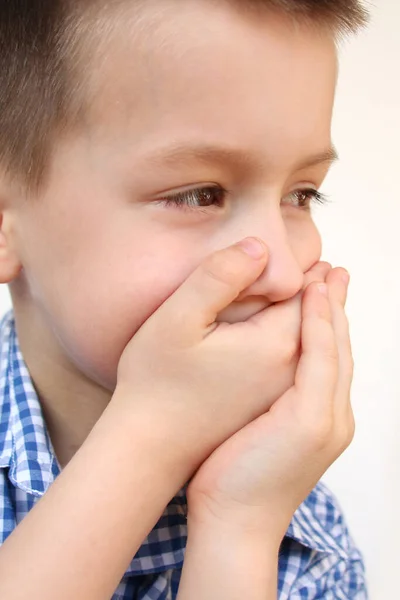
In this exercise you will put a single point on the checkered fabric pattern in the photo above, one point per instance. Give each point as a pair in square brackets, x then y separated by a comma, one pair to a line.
[317, 559]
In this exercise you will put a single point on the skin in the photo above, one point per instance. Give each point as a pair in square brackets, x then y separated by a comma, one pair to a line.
[117, 251]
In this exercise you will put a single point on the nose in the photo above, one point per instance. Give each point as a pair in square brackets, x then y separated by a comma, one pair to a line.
[283, 276]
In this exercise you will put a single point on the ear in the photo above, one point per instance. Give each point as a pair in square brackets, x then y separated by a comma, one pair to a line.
[10, 265]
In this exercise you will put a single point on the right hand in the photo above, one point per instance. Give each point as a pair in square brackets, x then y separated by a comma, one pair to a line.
[211, 379]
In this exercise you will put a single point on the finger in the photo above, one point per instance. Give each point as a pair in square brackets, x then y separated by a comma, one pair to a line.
[338, 285]
[283, 318]
[215, 284]
[317, 372]
[317, 273]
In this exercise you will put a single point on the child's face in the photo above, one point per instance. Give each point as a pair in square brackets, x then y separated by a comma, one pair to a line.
[102, 250]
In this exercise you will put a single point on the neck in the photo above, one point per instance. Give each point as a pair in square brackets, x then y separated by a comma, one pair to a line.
[71, 402]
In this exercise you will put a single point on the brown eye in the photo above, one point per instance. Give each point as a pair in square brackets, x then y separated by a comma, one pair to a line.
[304, 198]
[198, 198]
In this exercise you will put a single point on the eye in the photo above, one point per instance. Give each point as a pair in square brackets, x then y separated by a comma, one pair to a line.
[197, 198]
[304, 198]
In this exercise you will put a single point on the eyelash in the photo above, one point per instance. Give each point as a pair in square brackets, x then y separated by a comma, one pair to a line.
[187, 200]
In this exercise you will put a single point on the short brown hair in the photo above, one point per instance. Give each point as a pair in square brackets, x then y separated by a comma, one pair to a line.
[38, 46]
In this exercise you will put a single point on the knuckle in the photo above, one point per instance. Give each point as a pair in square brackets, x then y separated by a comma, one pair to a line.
[345, 434]
[347, 365]
[323, 337]
[348, 370]
[351, 428]
[351, 363]
[331, 356]
[329, 359]
[318, 432]
[344, 442]
[329, 349]
[346, 334]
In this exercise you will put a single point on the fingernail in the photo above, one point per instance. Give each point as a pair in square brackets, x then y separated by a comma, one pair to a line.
[346, 277]
[323, 289]
[253, 247]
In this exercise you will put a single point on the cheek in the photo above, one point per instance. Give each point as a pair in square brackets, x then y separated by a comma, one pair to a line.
[93, 292]
[105, 312]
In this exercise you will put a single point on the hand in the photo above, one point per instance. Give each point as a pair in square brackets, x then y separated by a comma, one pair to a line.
[263, 473]
[210, 379]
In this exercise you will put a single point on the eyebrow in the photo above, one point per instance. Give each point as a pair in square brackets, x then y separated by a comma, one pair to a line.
[210, 154]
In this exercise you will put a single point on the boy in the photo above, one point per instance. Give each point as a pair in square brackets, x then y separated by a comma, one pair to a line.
[147, 348]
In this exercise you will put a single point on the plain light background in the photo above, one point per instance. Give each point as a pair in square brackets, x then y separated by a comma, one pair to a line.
[361, 231]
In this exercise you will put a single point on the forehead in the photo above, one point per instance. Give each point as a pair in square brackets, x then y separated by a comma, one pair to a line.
[176, 71]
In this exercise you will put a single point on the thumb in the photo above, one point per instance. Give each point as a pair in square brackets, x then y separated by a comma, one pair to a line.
[216, 283]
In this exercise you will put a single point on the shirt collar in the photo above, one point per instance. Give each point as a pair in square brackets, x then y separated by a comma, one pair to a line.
[25, 447]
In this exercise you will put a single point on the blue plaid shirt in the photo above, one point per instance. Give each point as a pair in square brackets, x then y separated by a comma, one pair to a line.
[318, 558]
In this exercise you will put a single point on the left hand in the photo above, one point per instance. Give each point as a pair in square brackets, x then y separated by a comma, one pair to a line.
[260, 475]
